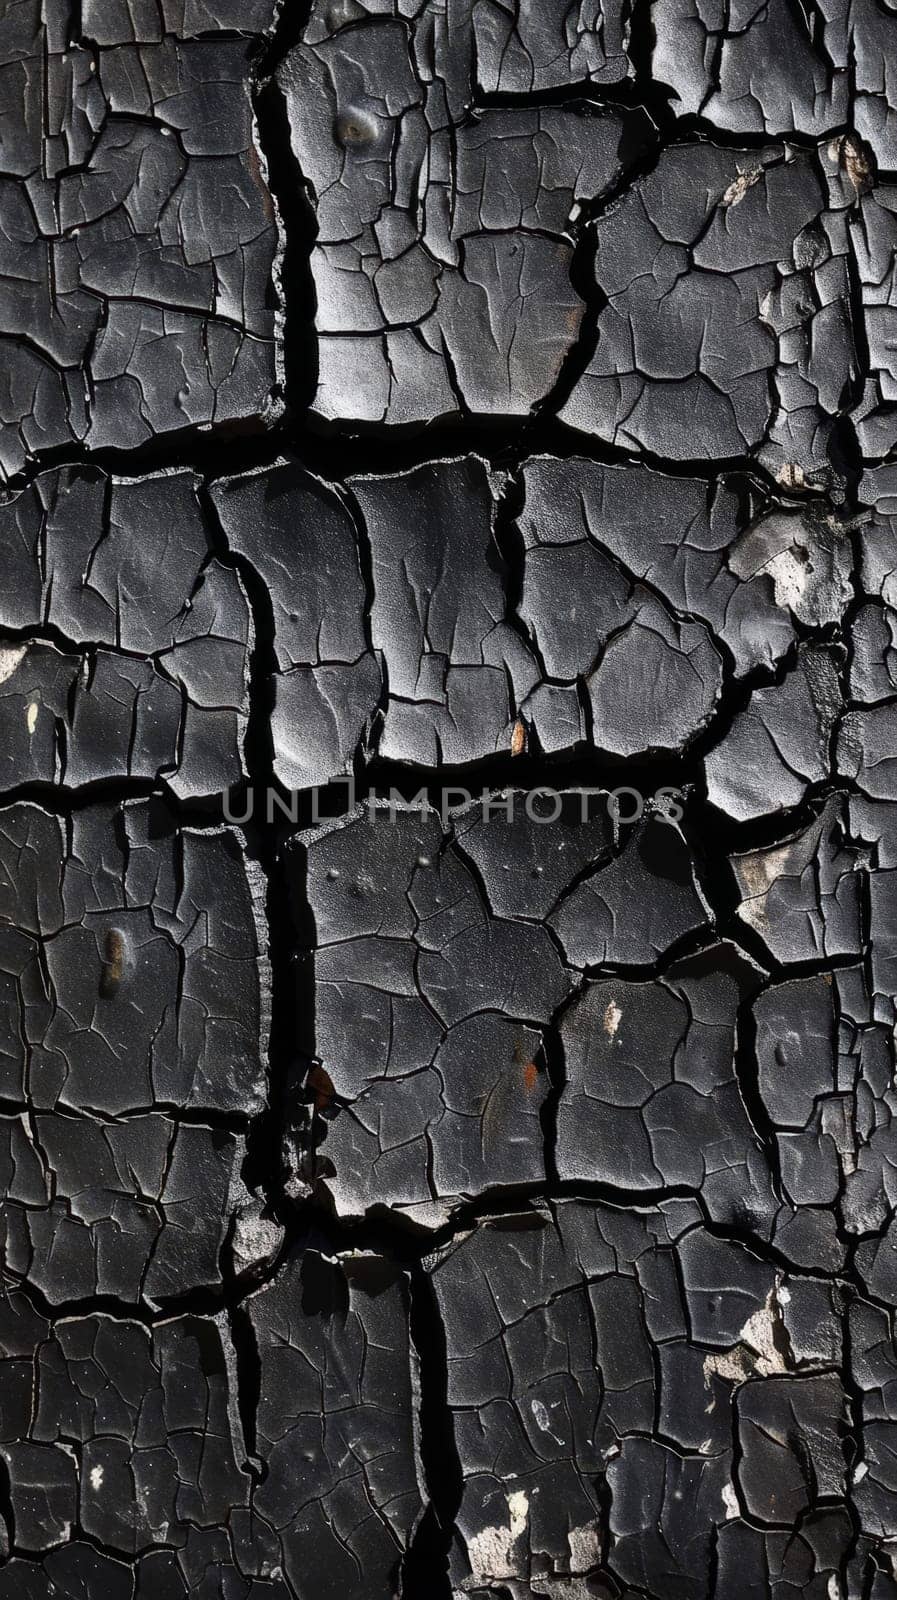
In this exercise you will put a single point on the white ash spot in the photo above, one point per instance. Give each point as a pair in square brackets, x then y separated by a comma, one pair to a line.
[543, 1420]
[490, 1550]
[791, 575]
[585, 1548]
[791, 476]
[612, 1019]
[10, 656]
[739, 187]
[755, 1350]
[757, 873]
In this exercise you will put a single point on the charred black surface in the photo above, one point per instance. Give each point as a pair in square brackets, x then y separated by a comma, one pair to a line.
[476, 1180]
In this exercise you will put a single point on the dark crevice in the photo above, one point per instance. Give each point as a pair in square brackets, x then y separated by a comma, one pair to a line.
[334, 452]
[265, 1167]
[296, 213]
[425, 1568]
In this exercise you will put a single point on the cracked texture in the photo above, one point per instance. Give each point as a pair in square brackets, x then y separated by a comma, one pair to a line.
[402, 631]
[589, 1345]
[411, 1192]
[725, 284]
[142, 670]
[134, 996]
[137, 236]
[792, 68]
[441, 265]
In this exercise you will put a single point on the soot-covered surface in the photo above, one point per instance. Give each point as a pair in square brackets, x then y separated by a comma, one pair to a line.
[448, 800]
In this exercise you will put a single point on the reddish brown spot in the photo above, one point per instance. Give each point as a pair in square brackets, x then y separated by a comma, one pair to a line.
[113, 962]
[530, 1074]
[254, 168]
[321, 1085]
[518, 739]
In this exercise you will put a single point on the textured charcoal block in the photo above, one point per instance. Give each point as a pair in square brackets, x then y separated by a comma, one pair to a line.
[137, 234]
[443, 252]
[448, 800]
[135, 1008]
[153, 681]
